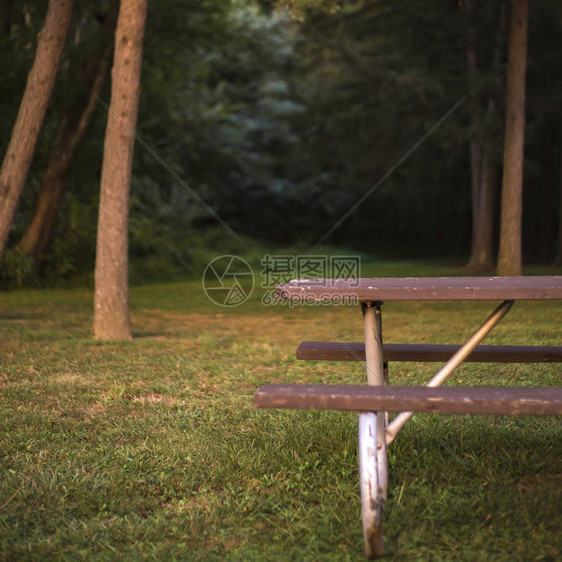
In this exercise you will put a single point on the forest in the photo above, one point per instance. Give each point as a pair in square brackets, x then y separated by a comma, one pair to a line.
[362, 125]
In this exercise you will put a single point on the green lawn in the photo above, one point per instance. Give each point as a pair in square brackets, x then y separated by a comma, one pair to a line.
[152, 449]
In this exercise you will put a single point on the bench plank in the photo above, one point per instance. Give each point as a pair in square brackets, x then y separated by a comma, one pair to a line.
[355, 351]
[424, 288]
[444, 400]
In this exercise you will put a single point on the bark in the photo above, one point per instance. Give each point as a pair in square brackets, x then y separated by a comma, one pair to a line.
[475, 129]
[74, 123]
[558, 260]
[482, 252]
[6, 7]
[33, 106]
[483, 142]
[111, 299]
[509, 259]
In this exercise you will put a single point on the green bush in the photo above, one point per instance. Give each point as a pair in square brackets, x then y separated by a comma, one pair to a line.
[18, 270]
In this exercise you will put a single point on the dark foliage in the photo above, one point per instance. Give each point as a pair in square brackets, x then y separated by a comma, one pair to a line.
[280, 123]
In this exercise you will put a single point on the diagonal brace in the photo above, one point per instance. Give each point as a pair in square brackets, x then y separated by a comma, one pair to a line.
[398, 423]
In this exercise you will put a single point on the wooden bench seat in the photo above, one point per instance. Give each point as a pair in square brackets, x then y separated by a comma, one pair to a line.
[341, 351]
[443, 400]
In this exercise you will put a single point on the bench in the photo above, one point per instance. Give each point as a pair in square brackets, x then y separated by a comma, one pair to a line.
[375, 400]
[342, 351]
[442, 400]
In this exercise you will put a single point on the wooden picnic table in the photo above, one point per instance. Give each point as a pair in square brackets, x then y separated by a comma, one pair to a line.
[375, 400]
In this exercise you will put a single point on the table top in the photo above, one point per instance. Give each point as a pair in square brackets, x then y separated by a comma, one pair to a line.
[424, 288]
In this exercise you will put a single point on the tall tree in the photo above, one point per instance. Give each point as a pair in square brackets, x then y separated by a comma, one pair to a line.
[6, 7]
[483, 140]
[73, 125]
[509, 258]
[111, 300]
[33, 106]
[558, 259]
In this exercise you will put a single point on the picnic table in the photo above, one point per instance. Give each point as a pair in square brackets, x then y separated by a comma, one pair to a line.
[377, 398]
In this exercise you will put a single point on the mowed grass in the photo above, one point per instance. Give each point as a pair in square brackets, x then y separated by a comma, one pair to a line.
[152, 449]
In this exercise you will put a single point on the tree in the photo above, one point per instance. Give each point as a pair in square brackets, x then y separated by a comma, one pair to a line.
[111, 300]
[73, 125]
[509, 258]
[483, 141]
[33, 106]
[558, 259]
[5, 16]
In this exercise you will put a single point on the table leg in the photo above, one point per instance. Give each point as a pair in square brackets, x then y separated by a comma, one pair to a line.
[373, 462]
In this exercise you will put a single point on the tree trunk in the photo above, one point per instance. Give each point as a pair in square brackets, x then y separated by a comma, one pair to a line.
[71, 131]
[475, 131]
[509, 259]
[73, 125]
[483, 143]
[558, 260]
[111, 300]
[482, 252]
[33, 106]
[6, 7]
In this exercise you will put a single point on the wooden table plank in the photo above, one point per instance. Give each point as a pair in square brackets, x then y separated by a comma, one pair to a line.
[355, 351]
[424, 288]
[443, 400]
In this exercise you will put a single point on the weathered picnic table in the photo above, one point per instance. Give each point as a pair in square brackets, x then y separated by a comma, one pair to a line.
[377, 398]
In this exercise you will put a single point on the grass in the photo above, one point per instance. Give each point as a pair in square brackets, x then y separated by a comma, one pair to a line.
[152, 449]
